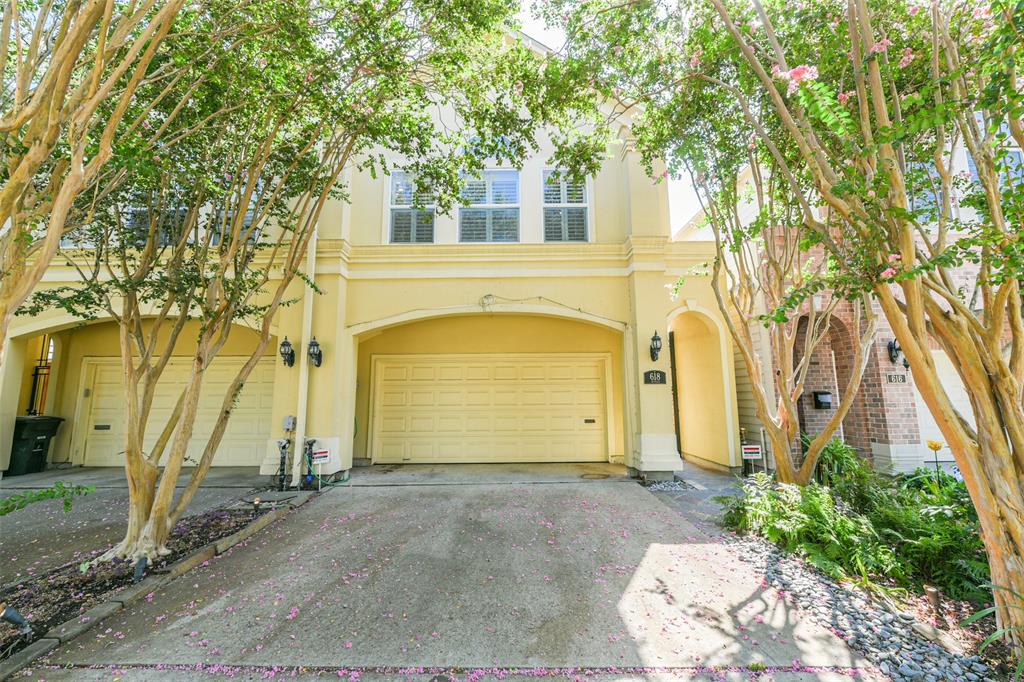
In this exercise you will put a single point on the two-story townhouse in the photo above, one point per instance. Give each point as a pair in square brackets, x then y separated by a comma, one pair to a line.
[522, 326]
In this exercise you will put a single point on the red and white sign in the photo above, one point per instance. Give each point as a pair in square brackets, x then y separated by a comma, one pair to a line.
[750, 451]
[321, 456]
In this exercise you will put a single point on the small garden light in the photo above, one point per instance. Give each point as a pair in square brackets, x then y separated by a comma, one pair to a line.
[316, 355]
[655, 345]
[287, 352]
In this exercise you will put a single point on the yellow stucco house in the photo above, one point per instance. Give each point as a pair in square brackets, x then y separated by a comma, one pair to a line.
[516, 329]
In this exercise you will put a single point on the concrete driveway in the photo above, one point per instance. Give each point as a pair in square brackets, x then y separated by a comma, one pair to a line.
[42, 536]
[514, 580]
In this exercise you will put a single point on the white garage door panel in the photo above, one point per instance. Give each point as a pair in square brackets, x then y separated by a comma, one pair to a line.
[244, 440]
[490, 408]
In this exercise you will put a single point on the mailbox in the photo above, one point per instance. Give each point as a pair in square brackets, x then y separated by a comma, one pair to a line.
[822, 400]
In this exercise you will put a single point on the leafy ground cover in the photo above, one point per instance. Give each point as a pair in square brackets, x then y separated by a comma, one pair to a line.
[897, 535]
[54, 597]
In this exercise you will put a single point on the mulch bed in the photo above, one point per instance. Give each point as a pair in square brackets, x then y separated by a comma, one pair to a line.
[52, 598]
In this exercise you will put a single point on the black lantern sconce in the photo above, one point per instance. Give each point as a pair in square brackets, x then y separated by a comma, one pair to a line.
[316, 355]
[895, 352]
[655, 346]
[287, 352]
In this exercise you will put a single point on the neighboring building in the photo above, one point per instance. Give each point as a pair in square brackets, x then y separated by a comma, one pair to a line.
[889, 422]
[516, 329]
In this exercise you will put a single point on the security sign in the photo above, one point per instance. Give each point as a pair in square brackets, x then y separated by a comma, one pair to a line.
[321, 456]
[750, 451]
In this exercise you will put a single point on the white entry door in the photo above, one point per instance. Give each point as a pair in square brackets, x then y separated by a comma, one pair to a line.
[244, 442]
[490, 408]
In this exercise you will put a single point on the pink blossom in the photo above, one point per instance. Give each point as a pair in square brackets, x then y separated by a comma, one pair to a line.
[293, 613]
[914, 9]
[881, 46]
[796, 75]
[888, 272]
[871, 194]
[844, 97]
[908, 56]
[695, 60]
[895, 258]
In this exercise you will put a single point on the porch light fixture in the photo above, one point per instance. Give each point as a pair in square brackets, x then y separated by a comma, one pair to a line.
[895, 352]
[287, 352]
[316, 355]
[655, 346]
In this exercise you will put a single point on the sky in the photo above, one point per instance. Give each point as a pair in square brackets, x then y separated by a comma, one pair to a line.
[683, 204]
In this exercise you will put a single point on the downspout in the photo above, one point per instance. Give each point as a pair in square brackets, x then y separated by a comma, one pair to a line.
[307, 333]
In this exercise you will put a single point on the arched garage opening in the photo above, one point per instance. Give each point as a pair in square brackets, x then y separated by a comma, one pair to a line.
[701, 389]
[85, 389]
[490, 387]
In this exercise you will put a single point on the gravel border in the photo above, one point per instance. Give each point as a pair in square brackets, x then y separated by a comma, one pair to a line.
[887, 638]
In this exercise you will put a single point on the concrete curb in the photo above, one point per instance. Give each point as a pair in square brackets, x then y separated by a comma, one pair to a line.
[80, 624]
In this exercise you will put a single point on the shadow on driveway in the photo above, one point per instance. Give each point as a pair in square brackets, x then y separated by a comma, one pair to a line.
[42, 536]
[525, 578]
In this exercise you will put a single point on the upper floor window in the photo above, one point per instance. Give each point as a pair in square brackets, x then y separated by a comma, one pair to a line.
[412, 214]
[565, 209]
[492, 214]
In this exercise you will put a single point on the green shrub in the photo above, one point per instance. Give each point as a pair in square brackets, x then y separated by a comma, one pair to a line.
[915, 529]
[57, 491]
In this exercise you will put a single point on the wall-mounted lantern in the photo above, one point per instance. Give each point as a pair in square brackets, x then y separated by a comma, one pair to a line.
[655, 346]
[895, 352]
[316, 355]
[287, 352]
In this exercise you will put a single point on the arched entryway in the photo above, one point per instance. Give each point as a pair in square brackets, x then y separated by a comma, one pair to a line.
[703, 390]
[830, 370]
[489, 387]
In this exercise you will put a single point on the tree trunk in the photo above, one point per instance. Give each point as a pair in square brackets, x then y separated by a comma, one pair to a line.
[1002, 523]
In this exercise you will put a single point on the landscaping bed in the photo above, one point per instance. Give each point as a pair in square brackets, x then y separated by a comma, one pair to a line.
[52, 598]
[911, 543]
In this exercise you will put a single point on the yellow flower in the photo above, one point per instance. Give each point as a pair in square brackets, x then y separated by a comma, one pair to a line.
[935, 445]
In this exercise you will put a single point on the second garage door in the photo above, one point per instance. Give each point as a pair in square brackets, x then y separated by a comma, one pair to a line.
[490, 408]
[244, 442]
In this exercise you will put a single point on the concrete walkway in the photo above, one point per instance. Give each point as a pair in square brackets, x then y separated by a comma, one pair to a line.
[513, 580]
[42, 536]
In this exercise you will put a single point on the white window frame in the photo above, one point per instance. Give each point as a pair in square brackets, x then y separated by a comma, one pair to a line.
[588, 204]
[391, 207]
[518, 206]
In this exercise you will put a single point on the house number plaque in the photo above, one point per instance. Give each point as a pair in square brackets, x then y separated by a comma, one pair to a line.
[654, 376]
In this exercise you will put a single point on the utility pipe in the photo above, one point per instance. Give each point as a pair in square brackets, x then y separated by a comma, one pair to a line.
[299, 448]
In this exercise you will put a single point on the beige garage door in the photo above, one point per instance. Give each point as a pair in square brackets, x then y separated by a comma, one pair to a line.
[490, 408]
[248, 429]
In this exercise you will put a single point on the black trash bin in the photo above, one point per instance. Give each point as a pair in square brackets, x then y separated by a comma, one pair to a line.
[32, 437]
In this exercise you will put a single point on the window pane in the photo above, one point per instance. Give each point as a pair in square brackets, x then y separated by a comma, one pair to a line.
[575, 192]
[504, 187]
[504, 224]
[553, 227]
[402, 188]
[401, 225]
[552, 189]
[475, 191]
[473, 225]
[424, 227]
[576, 224]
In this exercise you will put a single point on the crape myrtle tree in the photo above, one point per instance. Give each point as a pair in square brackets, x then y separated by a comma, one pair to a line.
[215, 228]
[865, 109]
[761, 260]
[70, 70]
